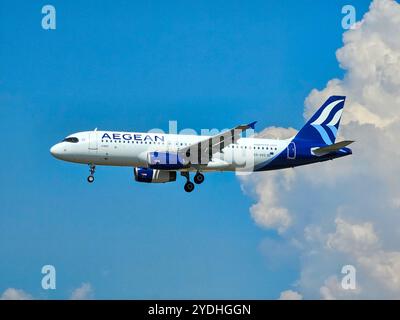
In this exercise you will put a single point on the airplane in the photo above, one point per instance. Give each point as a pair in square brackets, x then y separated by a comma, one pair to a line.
[156, 158]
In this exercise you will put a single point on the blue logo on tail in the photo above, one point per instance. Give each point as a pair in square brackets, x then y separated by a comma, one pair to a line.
[322, 128]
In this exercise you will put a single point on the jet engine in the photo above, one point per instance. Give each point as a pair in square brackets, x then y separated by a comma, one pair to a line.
[153, 175]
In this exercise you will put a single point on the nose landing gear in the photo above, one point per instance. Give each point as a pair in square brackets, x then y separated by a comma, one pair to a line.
[92, 170]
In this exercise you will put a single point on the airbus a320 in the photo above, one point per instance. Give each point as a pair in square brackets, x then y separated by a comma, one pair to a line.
[157, 158]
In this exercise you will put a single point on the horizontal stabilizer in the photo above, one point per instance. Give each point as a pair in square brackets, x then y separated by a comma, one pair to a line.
[332, 148]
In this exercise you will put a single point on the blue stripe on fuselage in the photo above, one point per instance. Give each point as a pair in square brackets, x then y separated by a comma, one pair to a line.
[303, 157]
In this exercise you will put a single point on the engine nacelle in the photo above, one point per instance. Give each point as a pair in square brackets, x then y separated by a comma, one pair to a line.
[166, 161]
[153, 176]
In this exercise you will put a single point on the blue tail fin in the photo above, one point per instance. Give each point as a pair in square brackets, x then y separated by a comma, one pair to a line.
[322, 128]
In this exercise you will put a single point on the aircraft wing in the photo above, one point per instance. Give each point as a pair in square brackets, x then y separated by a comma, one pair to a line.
[207, 147]
[331, 148]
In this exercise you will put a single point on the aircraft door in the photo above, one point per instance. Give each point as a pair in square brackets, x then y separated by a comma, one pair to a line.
[93, 141]
[291, 151]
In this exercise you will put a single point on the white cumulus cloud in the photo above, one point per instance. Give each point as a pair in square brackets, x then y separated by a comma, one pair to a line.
[290, 295]
[347, 211]
[84, 292]
[352, 237]
[15, 294]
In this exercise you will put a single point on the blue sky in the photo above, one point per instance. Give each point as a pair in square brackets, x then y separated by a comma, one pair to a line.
[126, 65]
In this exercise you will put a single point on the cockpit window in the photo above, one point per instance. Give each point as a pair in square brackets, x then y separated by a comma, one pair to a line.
[71, 139]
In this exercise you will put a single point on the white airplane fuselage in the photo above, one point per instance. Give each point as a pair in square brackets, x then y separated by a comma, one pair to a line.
[112, 148]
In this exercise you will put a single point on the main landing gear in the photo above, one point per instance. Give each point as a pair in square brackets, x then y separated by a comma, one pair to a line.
[198, 179]
[92, 169]
[189, 186]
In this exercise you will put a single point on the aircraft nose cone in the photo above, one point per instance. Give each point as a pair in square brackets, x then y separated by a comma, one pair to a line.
[55, 151]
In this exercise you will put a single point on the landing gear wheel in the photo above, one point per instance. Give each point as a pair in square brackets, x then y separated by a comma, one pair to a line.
[92, 169]
[189, 186]
[198, 178]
